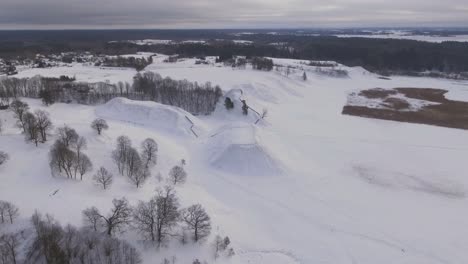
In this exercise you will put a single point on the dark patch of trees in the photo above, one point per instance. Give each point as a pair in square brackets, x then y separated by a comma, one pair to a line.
[130, 62]
[245, 108]
[228, 103]
[382, 55]
[192, 97]
[263, 64]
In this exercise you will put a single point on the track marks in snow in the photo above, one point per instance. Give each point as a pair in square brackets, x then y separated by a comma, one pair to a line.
[400, 180]
[268, 256]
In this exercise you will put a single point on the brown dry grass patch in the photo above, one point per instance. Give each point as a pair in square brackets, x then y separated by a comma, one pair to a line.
[447, 113]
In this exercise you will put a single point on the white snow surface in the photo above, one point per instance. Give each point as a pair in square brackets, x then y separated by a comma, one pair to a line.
[236, 149]
[163, 118]
[305, 185]
[426, 38]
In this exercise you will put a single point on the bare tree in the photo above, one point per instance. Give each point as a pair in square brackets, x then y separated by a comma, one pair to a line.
[78, 145]
[9, 248]
[139, 176]
[149, 152]
[32, 132]
[62, 159]
[103, 178]
[44, 123]
[133, 163]
[83, 165]
[19, 108]
[67, 135]
[197, 221]
[99, 125]
[145, 219]
[117, 219]
[12, 211]
[178, 175]
[156, 218]
[119, 155]
[2, 211]
[3, 157]
[92, 218]
[8, 211]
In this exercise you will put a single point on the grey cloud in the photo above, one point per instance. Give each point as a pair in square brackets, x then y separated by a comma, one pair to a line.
[229, 13]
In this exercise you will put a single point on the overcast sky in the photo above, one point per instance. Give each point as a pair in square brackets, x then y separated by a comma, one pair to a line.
[63, 14]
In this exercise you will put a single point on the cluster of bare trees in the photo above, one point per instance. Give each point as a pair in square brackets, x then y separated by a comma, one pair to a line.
[53, 243]
[52, 90]
[136, 166]
[9, 242]
[192, 97]
[66, 156]
[8, 212]
[156, 220]
[9, 248]
[47, 242]
[20, 87]
[36, 126]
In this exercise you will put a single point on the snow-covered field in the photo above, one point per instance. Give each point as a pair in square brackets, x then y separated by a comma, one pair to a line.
[427, 38]
[307, 185]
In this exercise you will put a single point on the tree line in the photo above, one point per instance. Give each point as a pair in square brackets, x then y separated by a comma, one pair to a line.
[130, 62]
[191, 96]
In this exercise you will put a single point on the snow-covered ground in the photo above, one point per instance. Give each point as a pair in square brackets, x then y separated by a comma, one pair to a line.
[427, 38]
[306, 185]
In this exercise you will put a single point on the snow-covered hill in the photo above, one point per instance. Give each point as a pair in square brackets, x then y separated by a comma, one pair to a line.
[305, 185]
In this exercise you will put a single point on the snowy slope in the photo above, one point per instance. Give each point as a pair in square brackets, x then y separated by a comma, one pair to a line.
[332, 188]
